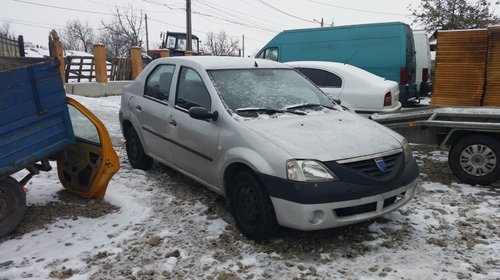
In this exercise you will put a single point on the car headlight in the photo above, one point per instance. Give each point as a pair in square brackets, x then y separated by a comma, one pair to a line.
[308, 170]
[408, 155]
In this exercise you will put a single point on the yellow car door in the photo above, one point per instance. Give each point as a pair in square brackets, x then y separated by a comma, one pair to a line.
[87, 165]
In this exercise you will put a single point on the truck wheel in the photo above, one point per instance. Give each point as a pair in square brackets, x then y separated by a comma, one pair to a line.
[135, 152]
[251, 207]
[12, 205]
[475, 159]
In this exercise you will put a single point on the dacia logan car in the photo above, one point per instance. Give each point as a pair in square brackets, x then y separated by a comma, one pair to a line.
[265, 137]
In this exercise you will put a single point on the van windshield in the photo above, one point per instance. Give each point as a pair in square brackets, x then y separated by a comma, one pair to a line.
[266, 88]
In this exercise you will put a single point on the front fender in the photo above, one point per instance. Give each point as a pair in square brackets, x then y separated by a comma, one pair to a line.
[250, 158]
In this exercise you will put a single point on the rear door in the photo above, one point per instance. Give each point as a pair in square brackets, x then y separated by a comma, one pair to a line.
[87, 165]
[152, 110]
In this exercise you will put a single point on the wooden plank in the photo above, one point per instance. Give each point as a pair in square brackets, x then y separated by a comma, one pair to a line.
[492, 95]
[460, 68]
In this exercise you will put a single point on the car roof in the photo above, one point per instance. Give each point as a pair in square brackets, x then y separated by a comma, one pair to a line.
[223, 62]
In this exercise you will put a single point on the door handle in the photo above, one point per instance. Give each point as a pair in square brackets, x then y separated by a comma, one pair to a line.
[172, 122]
[138, 107]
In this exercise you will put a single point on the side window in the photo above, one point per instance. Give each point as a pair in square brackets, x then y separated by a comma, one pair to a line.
[333, 80]
[322, 78]
[271, 54]
[159, 81]
[83, 127]
[191, 91]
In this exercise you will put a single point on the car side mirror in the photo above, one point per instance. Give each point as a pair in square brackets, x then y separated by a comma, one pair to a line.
[201, 113]
[335, 99]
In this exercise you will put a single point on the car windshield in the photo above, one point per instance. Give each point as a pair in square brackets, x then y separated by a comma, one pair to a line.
[269, 89]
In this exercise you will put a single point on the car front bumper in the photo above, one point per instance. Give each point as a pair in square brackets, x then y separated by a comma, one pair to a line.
[334, 214]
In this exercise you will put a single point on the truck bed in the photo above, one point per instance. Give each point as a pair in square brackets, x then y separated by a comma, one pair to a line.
[34, 118]
[434, 125]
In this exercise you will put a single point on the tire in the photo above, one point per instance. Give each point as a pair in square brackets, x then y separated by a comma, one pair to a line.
[12, 205]
[475, 159]
[251, 207]
[135, 152]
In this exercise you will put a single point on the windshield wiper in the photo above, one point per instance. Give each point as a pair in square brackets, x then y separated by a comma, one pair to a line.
[307, 105]
[269, 111]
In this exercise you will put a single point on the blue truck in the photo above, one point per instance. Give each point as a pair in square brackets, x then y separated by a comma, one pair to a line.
[384, 49]
[37, 124]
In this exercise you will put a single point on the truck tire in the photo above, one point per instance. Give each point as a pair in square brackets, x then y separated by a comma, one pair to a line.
[12, 205]
[135, 152]
[475, 159]
[251, 207]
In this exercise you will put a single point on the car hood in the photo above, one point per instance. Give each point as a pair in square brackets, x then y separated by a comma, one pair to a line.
[326, 136]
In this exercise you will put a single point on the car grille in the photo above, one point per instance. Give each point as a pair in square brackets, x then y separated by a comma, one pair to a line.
[369, 166]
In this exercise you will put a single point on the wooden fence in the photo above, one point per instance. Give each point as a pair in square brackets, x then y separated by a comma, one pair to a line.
[82, 68]
[9, 46]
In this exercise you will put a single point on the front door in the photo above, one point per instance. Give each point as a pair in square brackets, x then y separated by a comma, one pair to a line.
[89, 163]
[193, 142]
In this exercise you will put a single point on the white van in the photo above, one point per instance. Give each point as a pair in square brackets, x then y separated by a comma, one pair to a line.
[423, 58]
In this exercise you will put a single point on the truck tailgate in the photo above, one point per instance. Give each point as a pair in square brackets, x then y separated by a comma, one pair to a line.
[34, 119]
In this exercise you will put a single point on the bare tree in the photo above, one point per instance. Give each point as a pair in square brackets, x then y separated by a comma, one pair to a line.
[123, 31]
[454, 14]
[78, 36]
[221, 44]
[5, 30]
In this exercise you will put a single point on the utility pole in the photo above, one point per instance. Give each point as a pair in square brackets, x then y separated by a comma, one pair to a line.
[147, 33]
[189, 35]
[243, 45]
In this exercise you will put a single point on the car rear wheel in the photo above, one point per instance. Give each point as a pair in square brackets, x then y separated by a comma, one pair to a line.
[12, 205]
[475, 159]
[251, 206]
[135, 152]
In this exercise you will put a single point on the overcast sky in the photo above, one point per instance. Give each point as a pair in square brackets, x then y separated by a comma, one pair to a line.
[258, 20]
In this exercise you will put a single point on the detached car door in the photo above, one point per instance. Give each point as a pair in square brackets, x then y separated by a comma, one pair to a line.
[87, 165]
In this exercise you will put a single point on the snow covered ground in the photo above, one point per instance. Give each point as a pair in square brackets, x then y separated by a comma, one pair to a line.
[168, 227]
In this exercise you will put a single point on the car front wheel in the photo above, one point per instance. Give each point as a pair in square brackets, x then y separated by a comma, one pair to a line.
[135, 152]
[251, 207]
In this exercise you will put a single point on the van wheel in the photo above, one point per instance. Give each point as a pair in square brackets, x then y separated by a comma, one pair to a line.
[475, 159]
[135, 152]
[12, 205]
[251, 207]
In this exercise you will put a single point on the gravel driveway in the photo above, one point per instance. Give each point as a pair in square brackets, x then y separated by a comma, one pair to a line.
[449, 231]
[369, 249]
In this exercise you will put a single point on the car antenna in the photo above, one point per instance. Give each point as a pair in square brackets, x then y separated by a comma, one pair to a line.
[349, 59]
[256, 65]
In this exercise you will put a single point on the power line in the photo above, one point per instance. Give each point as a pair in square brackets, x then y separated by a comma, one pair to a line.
[152, 19]
[229, 20]
[162, 5]
[248, 24]
[30, 23]
[233, 13]
[64, 8]
[358, 10]
[159, 21]
[283, 12]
